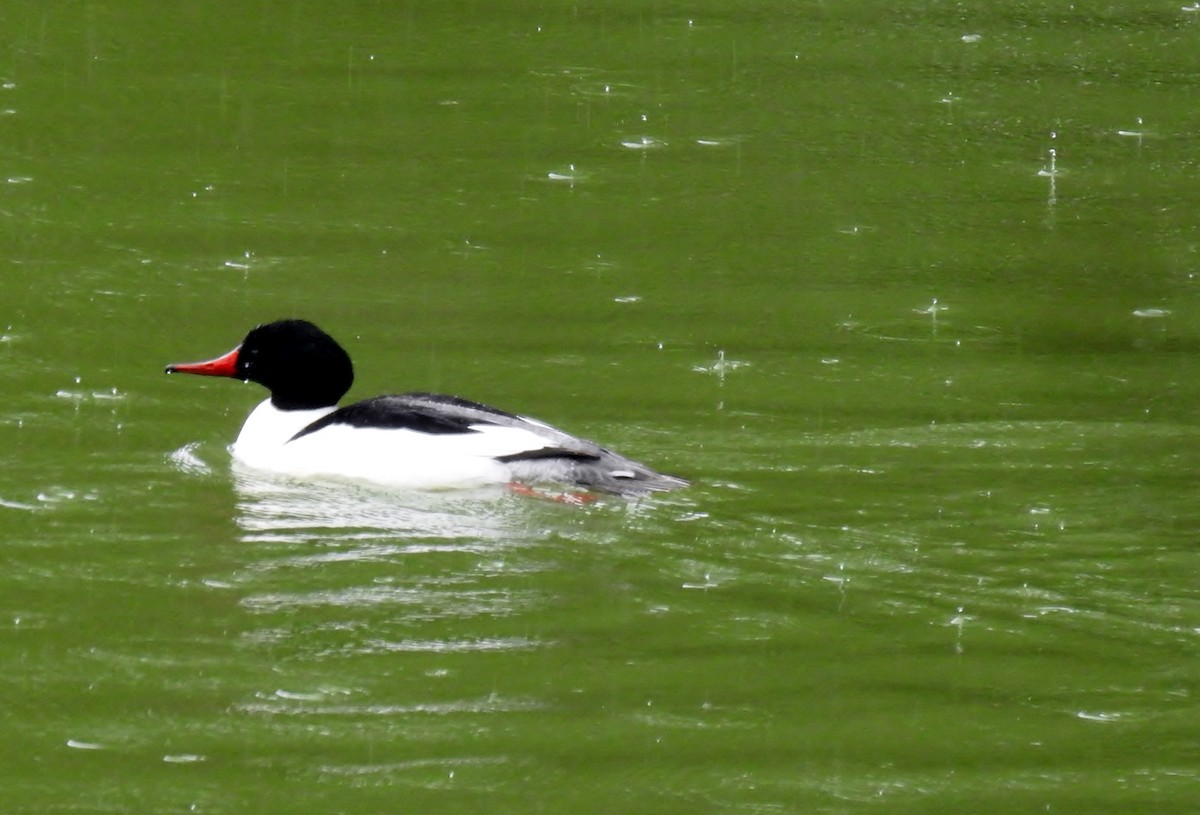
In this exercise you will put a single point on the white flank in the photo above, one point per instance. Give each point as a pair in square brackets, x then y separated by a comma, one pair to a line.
[394, 456]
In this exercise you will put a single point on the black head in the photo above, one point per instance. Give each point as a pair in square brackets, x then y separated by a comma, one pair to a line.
[301, 365]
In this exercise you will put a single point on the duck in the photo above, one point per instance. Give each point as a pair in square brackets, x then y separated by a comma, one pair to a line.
[411, 440]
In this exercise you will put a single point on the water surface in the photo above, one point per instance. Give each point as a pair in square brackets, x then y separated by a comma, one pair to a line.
[908, 291]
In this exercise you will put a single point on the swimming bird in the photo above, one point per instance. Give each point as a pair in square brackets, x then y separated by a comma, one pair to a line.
[411, 440]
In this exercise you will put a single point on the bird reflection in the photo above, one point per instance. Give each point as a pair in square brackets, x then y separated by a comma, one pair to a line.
[280, 509]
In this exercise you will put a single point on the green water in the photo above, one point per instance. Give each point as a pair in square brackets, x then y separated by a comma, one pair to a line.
[936, 388]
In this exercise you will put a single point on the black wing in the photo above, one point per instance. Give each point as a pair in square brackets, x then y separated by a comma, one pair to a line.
[422, 412]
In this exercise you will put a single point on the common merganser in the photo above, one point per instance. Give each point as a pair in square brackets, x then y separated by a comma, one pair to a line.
[418, 440]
